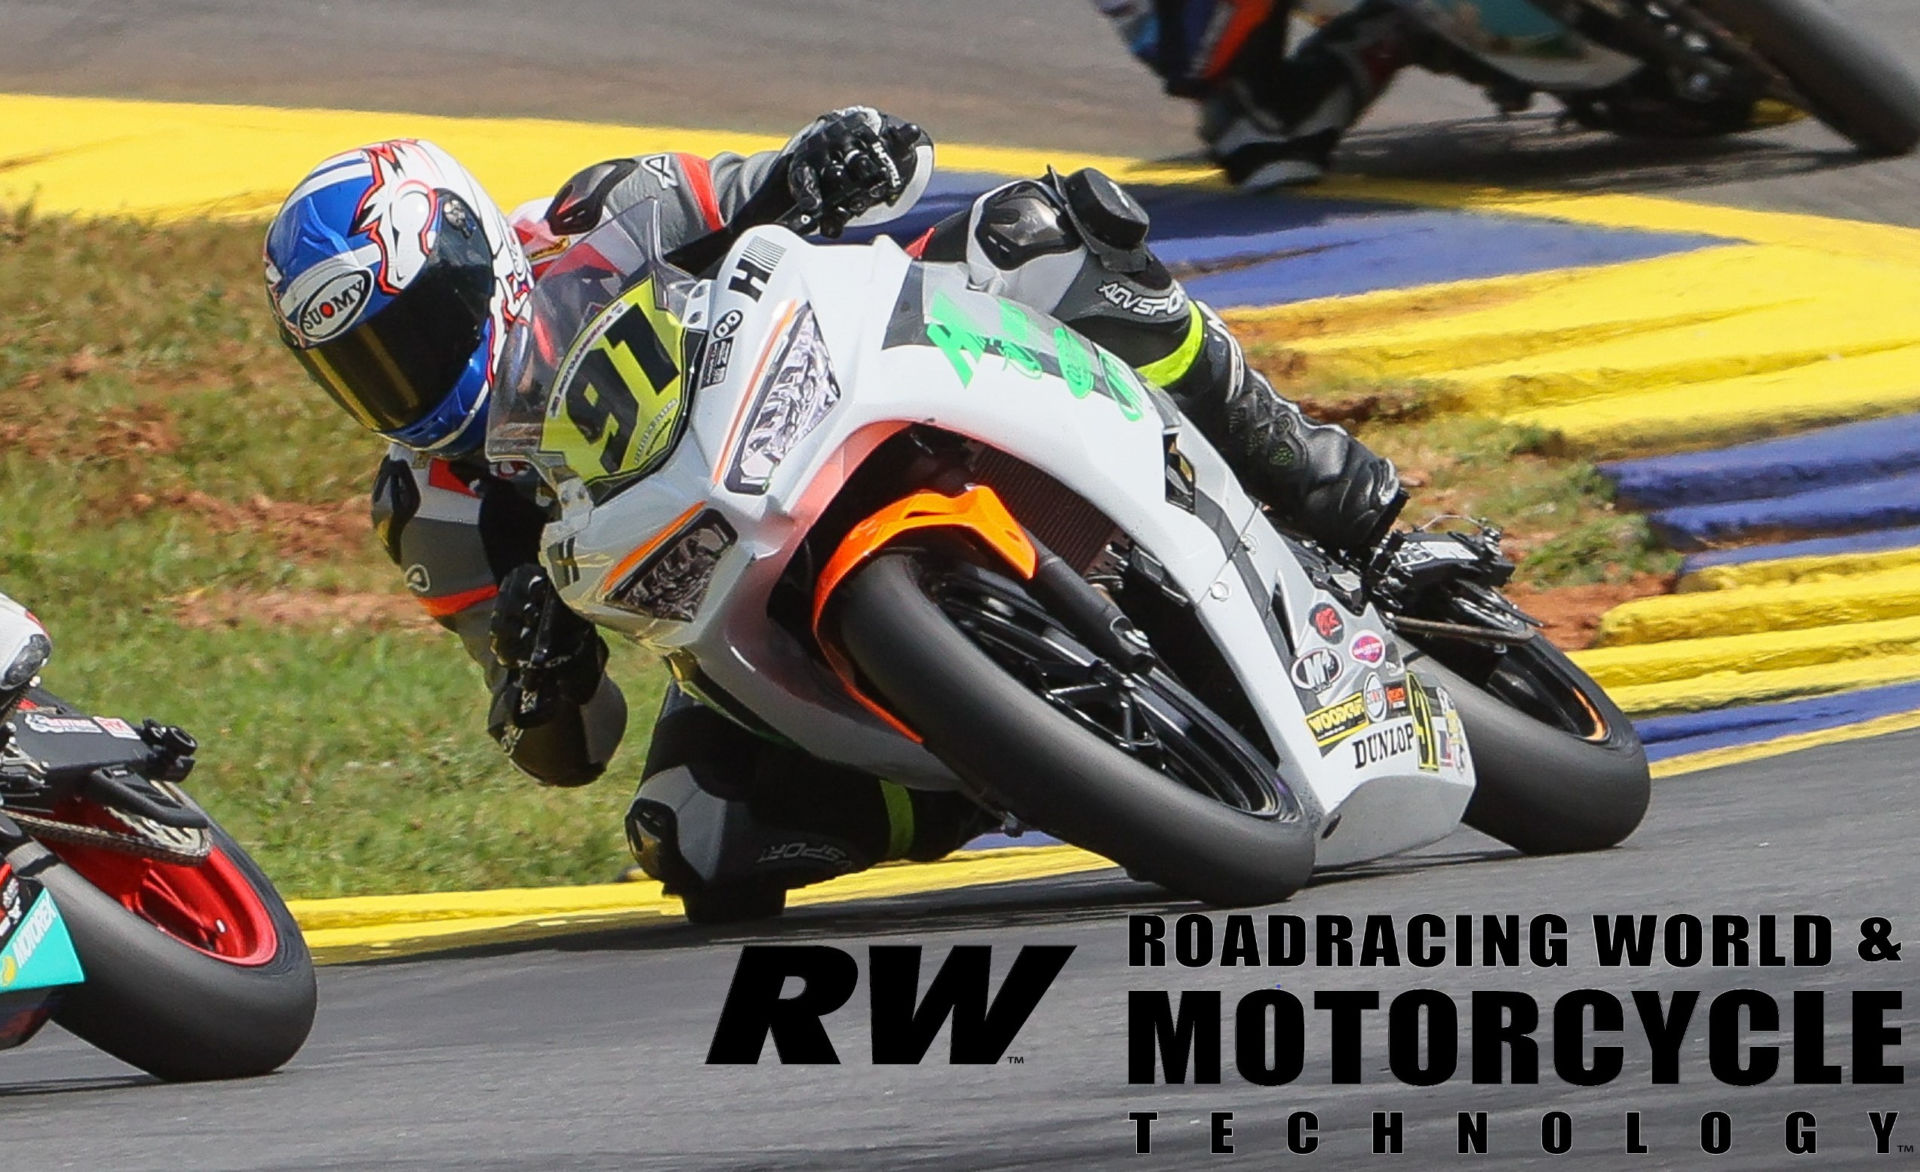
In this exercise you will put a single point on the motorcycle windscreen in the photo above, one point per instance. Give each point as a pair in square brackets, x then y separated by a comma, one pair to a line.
[591, 386]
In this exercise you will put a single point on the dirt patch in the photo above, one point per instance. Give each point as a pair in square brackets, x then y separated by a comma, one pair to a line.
[1572, 613]
[300, 532]
[118, 433]
[303, 609]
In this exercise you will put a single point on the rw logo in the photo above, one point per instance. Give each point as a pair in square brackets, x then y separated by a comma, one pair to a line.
[904, 1024]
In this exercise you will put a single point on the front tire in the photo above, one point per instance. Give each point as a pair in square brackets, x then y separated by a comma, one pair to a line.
[1853, 83]
[232, 1003]
[1020, 751]
[1547, 782]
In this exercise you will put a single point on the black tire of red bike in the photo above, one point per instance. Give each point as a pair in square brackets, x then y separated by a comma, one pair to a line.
[1021, 753]
[173, 1011]
[1854, 84]
[1541, 789]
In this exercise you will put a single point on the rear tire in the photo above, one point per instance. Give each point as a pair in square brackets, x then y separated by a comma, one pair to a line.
[1853, 83]
[1542, 789]
[172, 1010]
[1022, 753]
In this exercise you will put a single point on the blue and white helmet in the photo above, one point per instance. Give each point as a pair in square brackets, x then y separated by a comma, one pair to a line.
[395, 279]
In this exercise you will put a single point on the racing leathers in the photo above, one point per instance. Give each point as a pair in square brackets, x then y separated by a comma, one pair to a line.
[726, 817]
[1269, 117]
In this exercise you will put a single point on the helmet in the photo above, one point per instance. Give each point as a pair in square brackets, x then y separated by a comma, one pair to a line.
[395, 280]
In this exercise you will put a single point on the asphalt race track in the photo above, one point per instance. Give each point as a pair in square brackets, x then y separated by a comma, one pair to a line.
[1040, 73]
[590, 1053]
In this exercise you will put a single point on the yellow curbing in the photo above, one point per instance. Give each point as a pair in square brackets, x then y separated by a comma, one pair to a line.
[1799, 571]
[1860, 598]
[1716, 344]
[1639, 664]
[1725, 689]
[369, 927]
[1743, 754]
[1882, 242]
[179, 160]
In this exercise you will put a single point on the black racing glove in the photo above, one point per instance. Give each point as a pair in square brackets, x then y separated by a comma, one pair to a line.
[849, 162]
[551, 655]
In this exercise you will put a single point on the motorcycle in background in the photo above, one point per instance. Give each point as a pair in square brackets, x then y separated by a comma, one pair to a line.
[127, 915]
[1674, 68]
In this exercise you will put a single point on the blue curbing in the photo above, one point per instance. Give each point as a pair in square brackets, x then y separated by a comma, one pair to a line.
[1825, 458]
[1236, 251]
[1889, 502]
[1876, 542]
[1672, 736]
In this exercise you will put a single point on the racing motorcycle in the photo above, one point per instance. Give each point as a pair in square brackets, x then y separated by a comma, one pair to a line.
[864, 509]
[1673, 68]
[126, 914]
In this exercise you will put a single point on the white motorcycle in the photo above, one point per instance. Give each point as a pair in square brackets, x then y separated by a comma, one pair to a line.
[937, 536]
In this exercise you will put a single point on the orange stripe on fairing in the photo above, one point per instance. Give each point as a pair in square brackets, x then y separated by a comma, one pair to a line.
[978, 509]
[774, 337]
[452, 604]
[612, 577]
[700, 182]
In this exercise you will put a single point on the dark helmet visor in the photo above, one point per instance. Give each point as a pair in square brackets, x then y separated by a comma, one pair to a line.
[393, 369]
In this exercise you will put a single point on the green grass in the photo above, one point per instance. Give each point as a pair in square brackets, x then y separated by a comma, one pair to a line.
[1556, 510]
[155, 443]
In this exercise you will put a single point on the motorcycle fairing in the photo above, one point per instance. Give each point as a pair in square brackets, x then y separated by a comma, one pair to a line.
[910, 344]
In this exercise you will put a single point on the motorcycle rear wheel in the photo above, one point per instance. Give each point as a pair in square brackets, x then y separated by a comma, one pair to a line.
[191, 973]
[1853, 83]
[1010, 703]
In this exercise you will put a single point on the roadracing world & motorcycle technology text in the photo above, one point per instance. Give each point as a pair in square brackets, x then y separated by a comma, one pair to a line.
[1651, 1027]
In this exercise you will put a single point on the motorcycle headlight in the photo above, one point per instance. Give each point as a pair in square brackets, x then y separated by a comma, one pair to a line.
[673, 582]
[793, 397]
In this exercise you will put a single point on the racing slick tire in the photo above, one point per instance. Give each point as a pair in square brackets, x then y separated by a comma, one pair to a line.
[1558, 766]
[1854, 84]
[190, 973]
[921, 648]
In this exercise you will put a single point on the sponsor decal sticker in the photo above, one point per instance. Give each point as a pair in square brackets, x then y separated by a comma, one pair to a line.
[1374, 696]
[117, 727]
[1368, 648]
[1337, 721]
[719, 356]
[25, 942]
[728, 323]
[1316, 669]
[1327, 623]
[60, 724]
[1383, 745]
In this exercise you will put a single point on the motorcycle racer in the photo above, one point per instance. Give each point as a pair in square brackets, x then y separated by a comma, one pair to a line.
[1269, 118]
[395, 278]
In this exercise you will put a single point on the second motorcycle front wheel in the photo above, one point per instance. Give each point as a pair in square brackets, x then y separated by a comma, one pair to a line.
[1129, 766]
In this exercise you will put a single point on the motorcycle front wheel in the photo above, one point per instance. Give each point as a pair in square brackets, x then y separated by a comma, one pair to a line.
[1128, 765]
[191, 972]
[1558, 766]
[1853, 83]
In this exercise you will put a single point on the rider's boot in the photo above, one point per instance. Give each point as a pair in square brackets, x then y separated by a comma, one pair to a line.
[1075, 246]
[730, 821]
[1273, 119]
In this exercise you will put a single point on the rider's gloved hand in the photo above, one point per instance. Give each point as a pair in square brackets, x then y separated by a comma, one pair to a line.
[847, 163]
[551, 655]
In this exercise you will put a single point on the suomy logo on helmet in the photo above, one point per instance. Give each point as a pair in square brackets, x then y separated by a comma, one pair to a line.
[334, 306]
